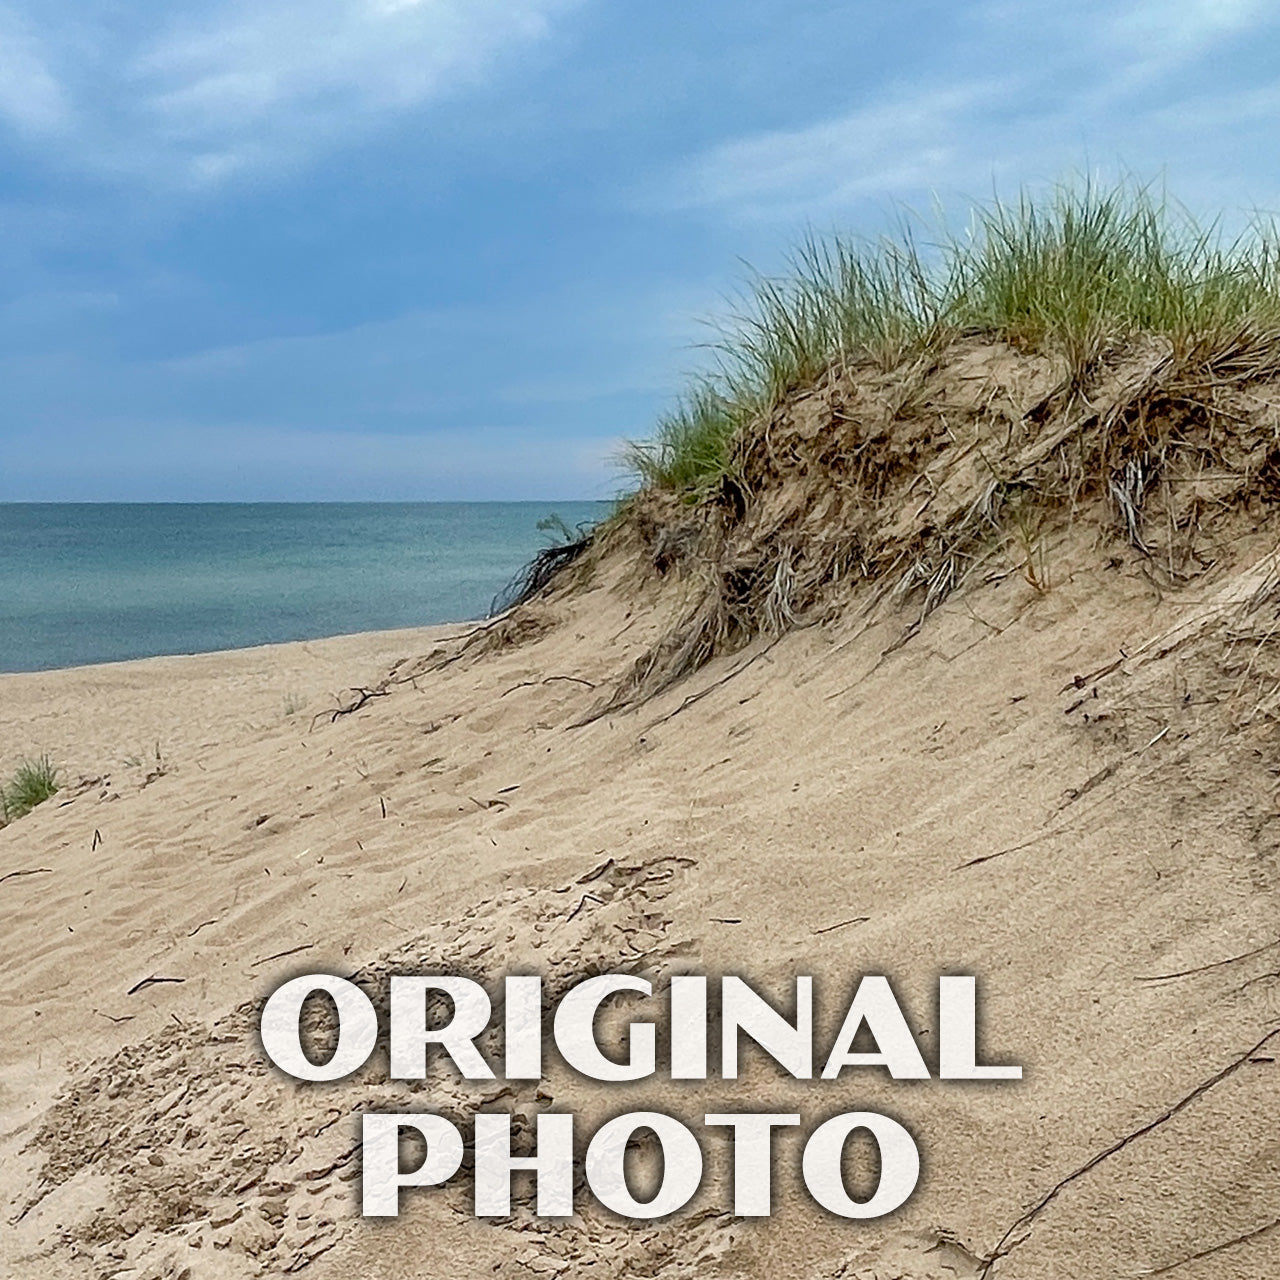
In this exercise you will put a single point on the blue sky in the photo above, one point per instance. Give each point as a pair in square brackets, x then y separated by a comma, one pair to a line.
[403, 249]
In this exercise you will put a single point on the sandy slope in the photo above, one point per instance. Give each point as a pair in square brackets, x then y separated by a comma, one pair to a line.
[814, 814]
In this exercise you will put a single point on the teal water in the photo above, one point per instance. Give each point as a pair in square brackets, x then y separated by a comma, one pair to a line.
[84, 583]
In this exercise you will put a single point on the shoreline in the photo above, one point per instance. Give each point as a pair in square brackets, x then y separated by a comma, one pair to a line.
[425, 630]
[90, 719]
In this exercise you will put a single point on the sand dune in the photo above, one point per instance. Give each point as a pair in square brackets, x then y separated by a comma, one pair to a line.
[1008, 795]
[940, 640]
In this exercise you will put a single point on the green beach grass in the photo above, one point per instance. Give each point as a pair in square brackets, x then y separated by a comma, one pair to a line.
[1071, 274]
[32, 783]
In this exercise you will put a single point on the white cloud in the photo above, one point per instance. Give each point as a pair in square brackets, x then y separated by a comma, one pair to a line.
[904, 142]
[1166, 30]
[243, 85]
[1087, 84]
[30, 96]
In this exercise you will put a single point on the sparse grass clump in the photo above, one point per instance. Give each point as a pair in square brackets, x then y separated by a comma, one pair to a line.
[32, 783]
[690, 444]
[1070, 276]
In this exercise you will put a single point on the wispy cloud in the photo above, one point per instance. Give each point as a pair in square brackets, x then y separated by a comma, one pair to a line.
[903, 142]
[1161, 32]
[31, 98]
[241, 85]
[1111, 81]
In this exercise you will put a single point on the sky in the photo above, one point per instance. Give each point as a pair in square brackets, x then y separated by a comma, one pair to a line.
[461, 249]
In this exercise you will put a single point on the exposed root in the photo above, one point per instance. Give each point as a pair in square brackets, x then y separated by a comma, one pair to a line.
[711, 688]
[1255, 1234]
[1019, 1231]
[539, 573]
[496, 635]
[531, 684]
[1208, 968]
[989, 459]
[359, 698]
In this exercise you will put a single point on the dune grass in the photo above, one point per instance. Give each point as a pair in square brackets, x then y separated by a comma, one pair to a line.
[1071, 274]
[32, 783]
[689, 445]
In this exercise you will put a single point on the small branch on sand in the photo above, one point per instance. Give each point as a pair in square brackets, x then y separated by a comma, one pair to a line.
[33, 871]
[844, 924]
[586, 897]
[280, 955]
[1077, 793]
[1206, 968]
[1014, 848]
[363, 695]
[464, 641]
[529, 684]
[1218, 1248]
[1081, 682]
[1022, 1227]
[711, 688]
[150, 982]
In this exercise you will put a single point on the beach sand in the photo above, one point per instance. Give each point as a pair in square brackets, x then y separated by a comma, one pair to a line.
[979, 800]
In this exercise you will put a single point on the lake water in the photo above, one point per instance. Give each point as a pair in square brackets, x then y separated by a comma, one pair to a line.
[86, 583]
